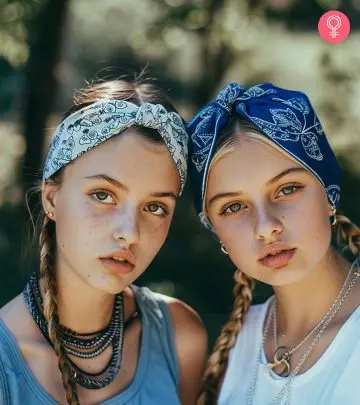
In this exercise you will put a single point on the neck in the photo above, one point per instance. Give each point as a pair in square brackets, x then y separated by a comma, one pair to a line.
[301, 305]
[81, 307]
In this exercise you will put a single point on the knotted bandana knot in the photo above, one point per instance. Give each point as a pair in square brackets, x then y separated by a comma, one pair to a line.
[285, 117]
[92, 125]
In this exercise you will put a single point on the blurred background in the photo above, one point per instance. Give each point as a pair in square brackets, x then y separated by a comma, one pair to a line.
[49, 48]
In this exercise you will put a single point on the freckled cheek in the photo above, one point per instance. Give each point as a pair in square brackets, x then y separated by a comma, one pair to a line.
[155, 232]
[76, 224]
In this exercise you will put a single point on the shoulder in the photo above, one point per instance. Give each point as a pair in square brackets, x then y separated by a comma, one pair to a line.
[250, 334]
[190, 341]
[19, 332]
[187, 323]
[18, 320]
[185, 320]
[256, 314]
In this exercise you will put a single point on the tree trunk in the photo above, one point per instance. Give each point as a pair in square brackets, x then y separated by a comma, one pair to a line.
[41, 84]
[214, 61]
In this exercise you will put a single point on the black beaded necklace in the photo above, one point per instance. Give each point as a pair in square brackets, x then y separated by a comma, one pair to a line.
[84, 345]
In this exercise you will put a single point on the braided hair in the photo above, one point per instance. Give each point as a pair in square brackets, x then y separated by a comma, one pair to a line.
[346, 237]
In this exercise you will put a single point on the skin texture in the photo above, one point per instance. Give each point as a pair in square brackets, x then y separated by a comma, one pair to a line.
[96, 217]
[259, 207]
[261, 213]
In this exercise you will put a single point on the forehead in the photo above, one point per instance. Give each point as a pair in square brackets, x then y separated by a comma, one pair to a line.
[249, 162]
[130, 158]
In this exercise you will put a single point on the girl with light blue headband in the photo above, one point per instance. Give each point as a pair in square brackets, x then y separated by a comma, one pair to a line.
[266, 181]
[115, 168]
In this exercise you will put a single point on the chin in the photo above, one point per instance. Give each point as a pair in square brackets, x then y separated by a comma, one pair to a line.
[109, 284]
[291, 276]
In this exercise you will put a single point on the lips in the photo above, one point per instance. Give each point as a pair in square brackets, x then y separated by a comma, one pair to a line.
[116, 266]
[276, 256]
[122, 261]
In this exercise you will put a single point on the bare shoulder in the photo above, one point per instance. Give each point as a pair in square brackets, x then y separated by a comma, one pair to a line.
[18, 320]
[186, 320]
[191, 345]
[12, 309]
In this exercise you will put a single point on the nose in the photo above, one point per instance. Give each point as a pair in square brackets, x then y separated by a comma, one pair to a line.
[126, 229]
[268, 225]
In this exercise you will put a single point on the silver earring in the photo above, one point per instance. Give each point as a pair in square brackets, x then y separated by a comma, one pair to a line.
[223, 249]
[50, 214]
[333, 219]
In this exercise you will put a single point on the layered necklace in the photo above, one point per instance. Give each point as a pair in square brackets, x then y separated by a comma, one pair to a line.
[282, 354]
[84, 345]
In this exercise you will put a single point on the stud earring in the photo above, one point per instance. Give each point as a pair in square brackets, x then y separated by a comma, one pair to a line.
[50, 214]
[223, 249]
[333, 219]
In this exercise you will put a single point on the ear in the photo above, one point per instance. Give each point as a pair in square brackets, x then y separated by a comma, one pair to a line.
[331, 209]
[49, 191]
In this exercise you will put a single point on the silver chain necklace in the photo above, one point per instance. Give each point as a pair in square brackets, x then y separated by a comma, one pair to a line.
[285, 392]
[282, 354]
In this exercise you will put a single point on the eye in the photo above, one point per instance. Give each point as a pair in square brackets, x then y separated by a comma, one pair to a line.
[156, 209]
[288, 190]
[103, 197]
[233, 208]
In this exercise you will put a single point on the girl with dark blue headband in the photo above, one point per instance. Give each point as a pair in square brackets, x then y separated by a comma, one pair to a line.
[266, 181]
[82, 332]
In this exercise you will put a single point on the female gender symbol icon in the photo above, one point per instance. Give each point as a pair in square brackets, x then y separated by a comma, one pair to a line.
[339, 26]
[334, 27]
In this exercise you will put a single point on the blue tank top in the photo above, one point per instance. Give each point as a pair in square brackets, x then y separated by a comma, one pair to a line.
[156, 377]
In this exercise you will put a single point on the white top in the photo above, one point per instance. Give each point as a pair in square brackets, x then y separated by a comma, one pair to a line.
[333, 380]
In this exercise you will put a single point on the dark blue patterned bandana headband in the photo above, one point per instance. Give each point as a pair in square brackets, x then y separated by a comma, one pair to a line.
[285, 117]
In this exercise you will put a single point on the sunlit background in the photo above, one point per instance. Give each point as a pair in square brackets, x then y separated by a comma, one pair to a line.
[49, 48]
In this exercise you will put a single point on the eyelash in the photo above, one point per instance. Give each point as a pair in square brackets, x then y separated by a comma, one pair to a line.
[94, 192]
[295, 188]
[163, 207]
[224, 210]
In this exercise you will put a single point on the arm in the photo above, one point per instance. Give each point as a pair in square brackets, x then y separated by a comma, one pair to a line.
[191, 347]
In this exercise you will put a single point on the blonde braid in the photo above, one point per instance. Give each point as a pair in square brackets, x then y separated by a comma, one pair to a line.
[347, 235]
[217, 363]
[47, 270]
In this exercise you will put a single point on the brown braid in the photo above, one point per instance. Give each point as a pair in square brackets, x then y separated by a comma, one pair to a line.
[137, 92]
[347, 235]
[217, 363]
[47, 269]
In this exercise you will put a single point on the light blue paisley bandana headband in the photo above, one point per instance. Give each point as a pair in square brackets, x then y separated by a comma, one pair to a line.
[92, 125]
[286, 117]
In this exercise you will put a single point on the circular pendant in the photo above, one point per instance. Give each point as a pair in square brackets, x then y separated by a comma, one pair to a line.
[282, 357]
[281, 361]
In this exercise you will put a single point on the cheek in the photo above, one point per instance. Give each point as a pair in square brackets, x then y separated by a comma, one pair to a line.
[76, 222]
[309, 221]
[155, 230]
[238, 239]
[314, 231]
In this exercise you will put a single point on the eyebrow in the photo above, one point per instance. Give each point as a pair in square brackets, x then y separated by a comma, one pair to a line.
[110, 180]
[271, 181]
[223, 195]
[285, 173]
[118, 184]
[169, 194]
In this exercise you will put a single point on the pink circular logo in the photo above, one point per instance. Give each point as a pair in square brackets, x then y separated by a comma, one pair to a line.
[334, 27]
